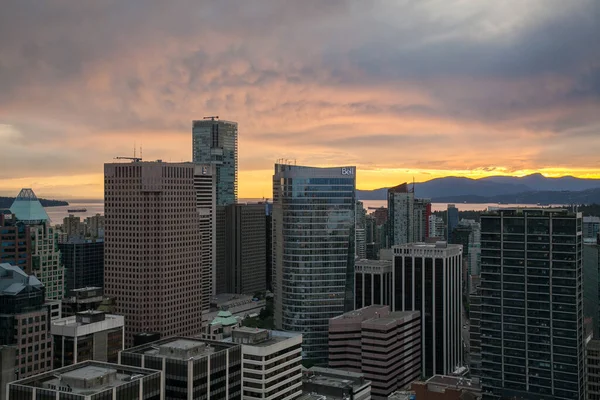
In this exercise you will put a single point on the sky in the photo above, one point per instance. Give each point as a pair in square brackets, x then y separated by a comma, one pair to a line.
[401, 89]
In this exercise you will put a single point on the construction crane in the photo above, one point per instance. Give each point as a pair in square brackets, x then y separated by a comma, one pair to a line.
[134, 159]
[212, 117]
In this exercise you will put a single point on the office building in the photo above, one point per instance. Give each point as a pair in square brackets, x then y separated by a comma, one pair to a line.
[361, 231]
[88, 335]
[83, 260]
[272, 363]
[90, 380]
[381, 215]
[532, 304]
[313, 250]
[94, 226]
[84, 299]
[591, 227]
[269, 247]
[245, 268]
[215, 142]
[452, 218]
[384, 346]
[475, 332]
[328, 383]
[24, 320]
[45, 256]
[152, 247]
[372, 283]
[441, 387]
[205, 183]
[591, 288]
[592, 361]
[16, 242]
[8, 356]
[191, 367]
[408, 219]
[427, 279]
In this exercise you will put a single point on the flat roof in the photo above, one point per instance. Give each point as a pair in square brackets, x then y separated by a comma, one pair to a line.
[274, 336]
[458, 382]
[334, 377]
[88, 377]
[181, 348]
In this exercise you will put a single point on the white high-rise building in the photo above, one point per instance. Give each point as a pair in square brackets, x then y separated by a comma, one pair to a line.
[408, 217]
[427, 278]
[436, 226]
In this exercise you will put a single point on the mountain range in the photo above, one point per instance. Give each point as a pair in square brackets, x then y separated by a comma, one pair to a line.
[529, 189]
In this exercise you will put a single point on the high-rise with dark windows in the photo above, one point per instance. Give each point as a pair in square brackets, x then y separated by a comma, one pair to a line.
[313, 250]
[532, 336]
[84, 263]
[216, 142]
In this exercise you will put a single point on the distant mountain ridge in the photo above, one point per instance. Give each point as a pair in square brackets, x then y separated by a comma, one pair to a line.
[483, 190]
[6, 202]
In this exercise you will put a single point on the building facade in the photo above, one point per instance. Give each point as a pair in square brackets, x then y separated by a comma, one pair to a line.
[592, 361]
[215, 142]
[25, 321]
[152, 258]
[205, 183]
[452, 219]
[591, 288]
[272, 363]
[90, 380]
[16, 242]
[245, 269]
[83, 260]
[328, 383]
[475, 332]
[372, 283]
[532, 304]
[408, 220]
[313, 250]
[88, 335]
[591, 227]
[384, 346]
[45, 256]
[427, 278]
[192, 368]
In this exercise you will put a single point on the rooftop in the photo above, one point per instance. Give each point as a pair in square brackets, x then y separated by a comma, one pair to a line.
[595, 220]
[224, 318]
[455, 382]
[86, 378]
[13, 280]
[259, 337]
[27, 208]
[181, 348]
[374, 263]
[531, 210]
[333, 377]
[87, 318]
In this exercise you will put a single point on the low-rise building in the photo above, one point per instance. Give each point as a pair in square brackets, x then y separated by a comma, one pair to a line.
[89, 335]
[239, 305]
[193, 368]
[83, 299]
[440, 387]
[385, 346]
[334, 384]
[272, 363]
[90, 380]
[221, 327]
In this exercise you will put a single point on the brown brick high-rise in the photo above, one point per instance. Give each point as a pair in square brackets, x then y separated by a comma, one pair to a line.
[152, 247]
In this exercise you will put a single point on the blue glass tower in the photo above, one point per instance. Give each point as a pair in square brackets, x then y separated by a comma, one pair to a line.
[313, 250]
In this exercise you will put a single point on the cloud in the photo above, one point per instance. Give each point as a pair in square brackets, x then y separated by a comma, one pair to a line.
[433, 85]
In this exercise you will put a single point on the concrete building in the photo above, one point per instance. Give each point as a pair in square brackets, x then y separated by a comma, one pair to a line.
[240, 305]
[591, 288]
[24, 320]
[384, 346]
[591, 227]
[215, 142]
[83, 260]
[475, 332]
[436, 226]
[221, 327]
[245, 268]
[272, 363]
[84, 299]
[89, 335]
[333, 384]
[427, 278]
[192, 368]
[94, 226]
[441, 387]
[72, 226]
[45, 256]
[8, 364]
[372, 283]
[532, 336]
[420, 221]
[16, 242]
[313, 250]
[408, 216]
[205, 183]
[592, 361]
[90, 380]
[152, 258]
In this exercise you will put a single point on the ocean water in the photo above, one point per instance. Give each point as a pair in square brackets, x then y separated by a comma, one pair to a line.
[57, 214]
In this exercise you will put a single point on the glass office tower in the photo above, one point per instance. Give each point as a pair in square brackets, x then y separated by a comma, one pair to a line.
[532, 342]
[313, 250]
[215, 142]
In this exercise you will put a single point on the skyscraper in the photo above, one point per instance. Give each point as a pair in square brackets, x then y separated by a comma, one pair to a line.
[45, 256]
[83, 260]
[216, 142]
[532, 336]
[408, 217]
[205, 185]
[452, 216]
[313, 250]
[427, 279]
[152, 247]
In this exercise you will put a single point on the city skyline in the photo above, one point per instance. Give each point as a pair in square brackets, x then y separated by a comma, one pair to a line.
[425, 89]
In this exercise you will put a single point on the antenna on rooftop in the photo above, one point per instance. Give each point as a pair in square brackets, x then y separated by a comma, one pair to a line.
[212, 117]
